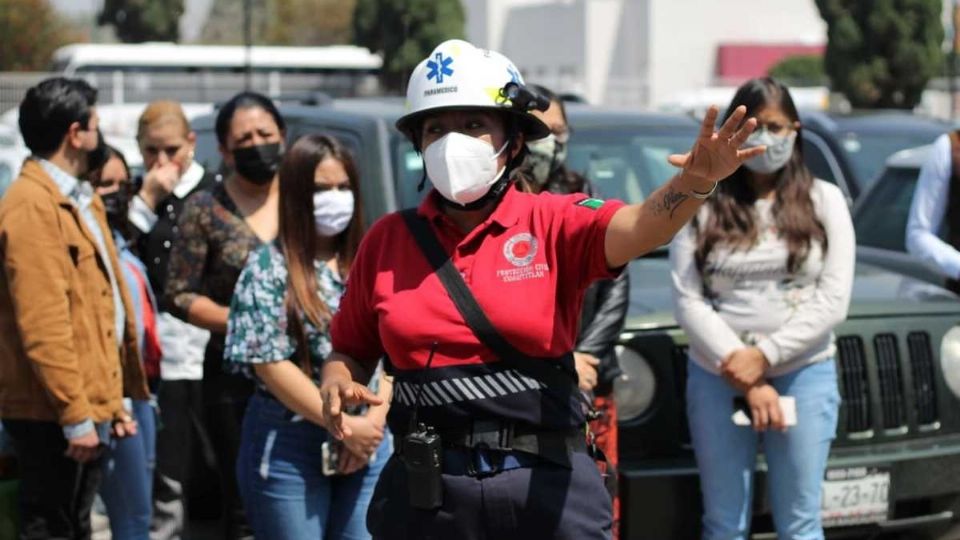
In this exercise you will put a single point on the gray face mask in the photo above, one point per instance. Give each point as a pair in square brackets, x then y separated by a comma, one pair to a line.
[779, 150]
[546, 156]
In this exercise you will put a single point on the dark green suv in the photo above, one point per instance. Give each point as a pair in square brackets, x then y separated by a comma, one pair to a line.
[896, 460]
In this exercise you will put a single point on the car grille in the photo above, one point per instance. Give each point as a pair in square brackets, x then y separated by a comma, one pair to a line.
[895, 402]
[924, 382]
[891, 381]
[854, 387]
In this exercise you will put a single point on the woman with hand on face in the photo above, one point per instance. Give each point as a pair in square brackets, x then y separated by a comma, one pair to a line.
[761, 277]
[167, 145]
[278, 333]
[217, 231]
[128, 471]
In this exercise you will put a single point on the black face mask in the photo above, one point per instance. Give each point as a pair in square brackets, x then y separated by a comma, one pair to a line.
[258, 164]
[117, 206]
[97, 157]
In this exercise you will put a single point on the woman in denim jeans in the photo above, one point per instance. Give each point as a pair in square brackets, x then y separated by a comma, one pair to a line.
[292, 486]
[761, 277]
[128, 471]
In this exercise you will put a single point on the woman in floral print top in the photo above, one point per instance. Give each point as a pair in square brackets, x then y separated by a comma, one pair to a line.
[257, 330]
[278, 333]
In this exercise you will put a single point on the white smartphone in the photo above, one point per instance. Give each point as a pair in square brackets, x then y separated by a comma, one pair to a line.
[741, 412]
[330, 457]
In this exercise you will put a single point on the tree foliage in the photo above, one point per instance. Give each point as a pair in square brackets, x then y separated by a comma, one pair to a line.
[29, 33]
[309, 22]
[137, 21]
[800, 70]
[405, 31]
[881, 53]
[281, 22]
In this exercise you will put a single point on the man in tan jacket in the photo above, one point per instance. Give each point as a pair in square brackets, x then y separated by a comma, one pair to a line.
[68, 351]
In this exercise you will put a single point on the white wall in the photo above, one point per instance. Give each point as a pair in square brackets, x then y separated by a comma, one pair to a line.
[487, 19]
[632, 52]
[684, 35]
[548, 44]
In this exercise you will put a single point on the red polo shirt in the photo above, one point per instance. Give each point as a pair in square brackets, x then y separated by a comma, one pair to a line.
[527, 265]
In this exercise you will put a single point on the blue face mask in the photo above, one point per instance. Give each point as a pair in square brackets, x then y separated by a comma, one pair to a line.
[779, 150]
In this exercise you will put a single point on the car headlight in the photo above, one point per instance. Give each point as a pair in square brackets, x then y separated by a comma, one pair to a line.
[634, 391]
[950, 359]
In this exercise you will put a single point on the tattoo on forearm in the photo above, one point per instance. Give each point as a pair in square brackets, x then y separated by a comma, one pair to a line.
[669, 202]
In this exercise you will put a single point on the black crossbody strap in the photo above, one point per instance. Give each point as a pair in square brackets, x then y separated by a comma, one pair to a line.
[473, 314]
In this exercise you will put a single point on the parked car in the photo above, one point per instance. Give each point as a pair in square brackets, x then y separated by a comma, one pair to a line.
[880, 216]
[12, 154]
[849, 149]
[896, 461]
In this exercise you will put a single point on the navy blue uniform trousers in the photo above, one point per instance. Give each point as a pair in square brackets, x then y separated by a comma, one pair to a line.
[545, 501]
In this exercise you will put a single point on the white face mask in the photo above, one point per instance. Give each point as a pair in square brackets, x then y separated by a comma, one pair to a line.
[332, 210]
[461, 167]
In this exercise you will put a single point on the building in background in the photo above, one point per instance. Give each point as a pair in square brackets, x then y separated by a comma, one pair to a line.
[645, 53]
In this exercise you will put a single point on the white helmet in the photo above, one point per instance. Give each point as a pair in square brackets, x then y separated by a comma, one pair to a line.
[458, 75]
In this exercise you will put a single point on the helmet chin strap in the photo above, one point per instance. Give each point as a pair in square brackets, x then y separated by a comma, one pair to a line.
[496, 192]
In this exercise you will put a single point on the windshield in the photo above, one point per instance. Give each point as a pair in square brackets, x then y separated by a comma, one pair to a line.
[881, 218]
[626, 163]
[868, 152]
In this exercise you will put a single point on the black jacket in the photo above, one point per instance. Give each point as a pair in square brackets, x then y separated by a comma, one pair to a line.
[605, 302]
[153, 247]
[604, 311]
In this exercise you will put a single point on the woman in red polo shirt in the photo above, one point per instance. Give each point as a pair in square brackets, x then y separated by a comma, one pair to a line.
[491, 445]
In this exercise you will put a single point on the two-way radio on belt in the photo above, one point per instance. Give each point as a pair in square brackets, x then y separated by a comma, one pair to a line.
[423, 455]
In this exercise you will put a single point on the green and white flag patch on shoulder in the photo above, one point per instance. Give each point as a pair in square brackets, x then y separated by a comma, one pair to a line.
[592, 204]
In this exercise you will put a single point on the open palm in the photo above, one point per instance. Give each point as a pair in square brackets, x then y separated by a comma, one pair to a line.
[717, 154]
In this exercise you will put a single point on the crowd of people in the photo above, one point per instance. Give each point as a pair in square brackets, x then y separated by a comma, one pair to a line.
[339, 382]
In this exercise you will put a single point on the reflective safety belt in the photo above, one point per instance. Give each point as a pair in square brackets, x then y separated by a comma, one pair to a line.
[547, 372]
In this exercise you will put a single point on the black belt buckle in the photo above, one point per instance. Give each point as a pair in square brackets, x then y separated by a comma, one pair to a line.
[490, 434]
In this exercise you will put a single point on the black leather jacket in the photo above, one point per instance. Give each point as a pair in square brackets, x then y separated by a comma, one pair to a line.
[605, 302]
[601, 320]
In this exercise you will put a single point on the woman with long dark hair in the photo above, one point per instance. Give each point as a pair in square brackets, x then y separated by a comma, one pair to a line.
[278, 333]
[761, 277]
[127, 474]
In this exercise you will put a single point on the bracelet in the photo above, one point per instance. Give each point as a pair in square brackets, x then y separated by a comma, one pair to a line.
[703, 195]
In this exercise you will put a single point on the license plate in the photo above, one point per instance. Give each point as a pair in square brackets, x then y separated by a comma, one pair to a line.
[855, 496]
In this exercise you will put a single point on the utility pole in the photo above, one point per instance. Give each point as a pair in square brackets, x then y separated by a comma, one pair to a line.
[952, 64]
[248, 44]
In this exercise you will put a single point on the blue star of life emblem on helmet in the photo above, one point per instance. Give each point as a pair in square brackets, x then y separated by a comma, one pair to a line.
[514, 74]
[440, 68]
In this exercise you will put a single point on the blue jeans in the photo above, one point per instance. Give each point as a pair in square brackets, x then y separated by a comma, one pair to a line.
[128, 477]
[726, 453]
[284, 491]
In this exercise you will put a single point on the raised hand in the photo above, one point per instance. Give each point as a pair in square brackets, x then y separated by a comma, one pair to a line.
[717, 154]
